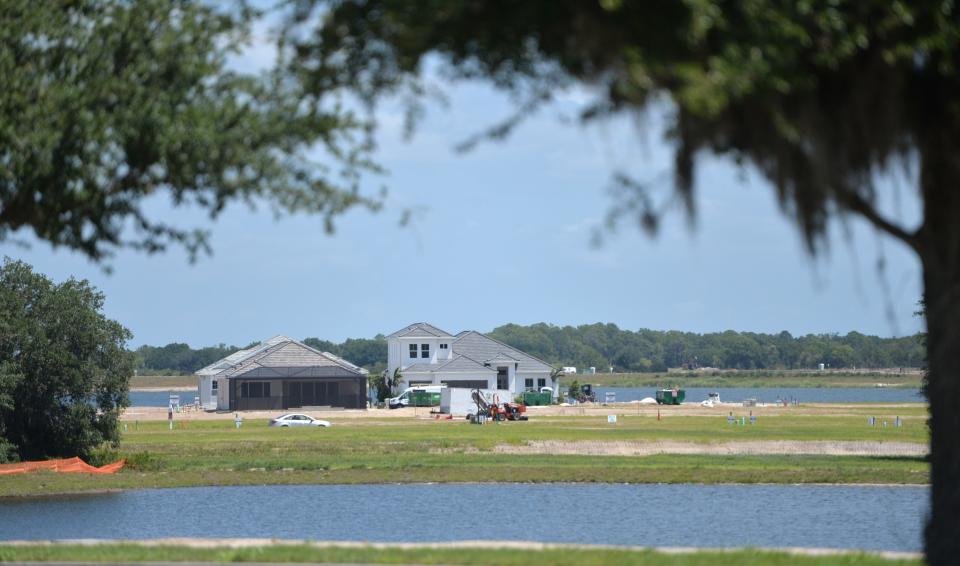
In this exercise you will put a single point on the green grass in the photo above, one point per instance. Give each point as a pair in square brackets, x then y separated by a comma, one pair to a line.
[429, 555]
[163, 381]
[746, 378]
[392, 450]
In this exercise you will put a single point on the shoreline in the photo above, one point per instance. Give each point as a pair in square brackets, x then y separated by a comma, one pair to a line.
[248, 543]
[120, 490]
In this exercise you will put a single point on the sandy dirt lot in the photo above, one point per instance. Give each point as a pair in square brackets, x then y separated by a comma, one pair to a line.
[813, 409]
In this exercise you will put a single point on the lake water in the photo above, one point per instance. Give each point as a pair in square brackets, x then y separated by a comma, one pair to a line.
[876, 518]
[160, 398]
[694, 394]
[771, 394]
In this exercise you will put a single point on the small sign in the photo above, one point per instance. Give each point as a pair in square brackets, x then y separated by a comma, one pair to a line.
[611, 396]
[612, 419]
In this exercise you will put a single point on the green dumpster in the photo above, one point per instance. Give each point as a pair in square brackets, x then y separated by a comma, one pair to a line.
[533, 399]
[424, 399]
[670, 396]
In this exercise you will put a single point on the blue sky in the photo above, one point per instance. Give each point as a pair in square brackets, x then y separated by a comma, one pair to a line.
[504, 234]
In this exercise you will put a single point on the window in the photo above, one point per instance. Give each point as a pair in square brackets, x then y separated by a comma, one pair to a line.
[254, 389]
[528, 382]
[213, 387]
[424, 350]
[503, 378]
[541, 382]
[413, 350]
[443, 346]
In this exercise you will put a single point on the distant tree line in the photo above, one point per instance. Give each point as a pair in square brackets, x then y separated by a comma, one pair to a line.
[177, 358]
[604, 345]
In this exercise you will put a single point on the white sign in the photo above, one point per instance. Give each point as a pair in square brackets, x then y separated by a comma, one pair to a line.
[612, 419]
[611, 396]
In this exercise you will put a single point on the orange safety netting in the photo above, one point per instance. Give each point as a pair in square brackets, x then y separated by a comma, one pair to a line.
[67, 465]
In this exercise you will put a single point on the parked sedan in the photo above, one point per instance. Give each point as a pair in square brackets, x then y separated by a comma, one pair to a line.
[298, 419]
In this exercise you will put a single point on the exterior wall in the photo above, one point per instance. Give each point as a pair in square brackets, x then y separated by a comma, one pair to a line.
[208, 397]
[223, 395]
[398, 351]
[522, 377]
[486, 377]
[393, 355]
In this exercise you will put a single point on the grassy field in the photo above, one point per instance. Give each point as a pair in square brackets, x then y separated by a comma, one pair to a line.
[362, 554]
[754, 378]
[364, 450]
[161, 381]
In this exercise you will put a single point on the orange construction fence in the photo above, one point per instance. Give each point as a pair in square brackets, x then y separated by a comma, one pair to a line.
[67, 465]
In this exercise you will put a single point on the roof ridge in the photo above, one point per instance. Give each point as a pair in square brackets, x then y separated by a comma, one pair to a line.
[434, 331]
[519, 351]
[264, 349]
[332, 357]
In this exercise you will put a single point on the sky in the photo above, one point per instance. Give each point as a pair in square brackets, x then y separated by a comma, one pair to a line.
[506, 233]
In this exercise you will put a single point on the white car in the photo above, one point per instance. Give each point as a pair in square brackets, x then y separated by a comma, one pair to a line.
[298, 419]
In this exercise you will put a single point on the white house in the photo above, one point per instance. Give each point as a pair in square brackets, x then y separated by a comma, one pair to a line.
[424, 354]
[281, 373]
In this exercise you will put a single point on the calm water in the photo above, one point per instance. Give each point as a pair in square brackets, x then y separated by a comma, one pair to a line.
[771, 394]
[694, 394]
[878, 518]
[160, 398]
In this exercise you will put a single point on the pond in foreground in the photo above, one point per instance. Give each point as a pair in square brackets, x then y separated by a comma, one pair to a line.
[877, 518]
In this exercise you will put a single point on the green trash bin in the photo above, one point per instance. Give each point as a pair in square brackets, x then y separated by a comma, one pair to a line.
[534, 399]
[671, 396]
[424, 399]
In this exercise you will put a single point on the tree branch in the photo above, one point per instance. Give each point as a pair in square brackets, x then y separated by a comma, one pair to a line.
[853, 202]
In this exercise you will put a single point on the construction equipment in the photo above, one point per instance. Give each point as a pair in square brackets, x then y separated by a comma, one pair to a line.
[496, 411]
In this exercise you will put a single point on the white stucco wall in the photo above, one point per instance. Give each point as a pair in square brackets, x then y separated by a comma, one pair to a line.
[207, 399]
[398, 351]
[536, 376]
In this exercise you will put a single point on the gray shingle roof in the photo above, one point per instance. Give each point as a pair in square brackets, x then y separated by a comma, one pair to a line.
[463, 363]
[420, 329]
[478, 346]
[281, 356]
[456, 365]
[240, 356]
[419, 368]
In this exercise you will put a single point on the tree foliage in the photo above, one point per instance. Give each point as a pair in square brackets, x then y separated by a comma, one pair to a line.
[64, 368]
[820, 96]
[602, 345]
[179, 358]
[107, 103]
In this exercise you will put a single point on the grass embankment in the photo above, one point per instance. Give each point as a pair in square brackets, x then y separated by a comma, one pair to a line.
[162, 381]
[417, 450]
[361, 554]
[752, 378]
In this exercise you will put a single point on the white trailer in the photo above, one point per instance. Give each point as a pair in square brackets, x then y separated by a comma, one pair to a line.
[459, 400]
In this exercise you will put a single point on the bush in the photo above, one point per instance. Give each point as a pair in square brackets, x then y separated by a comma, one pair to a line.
[143, 462]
